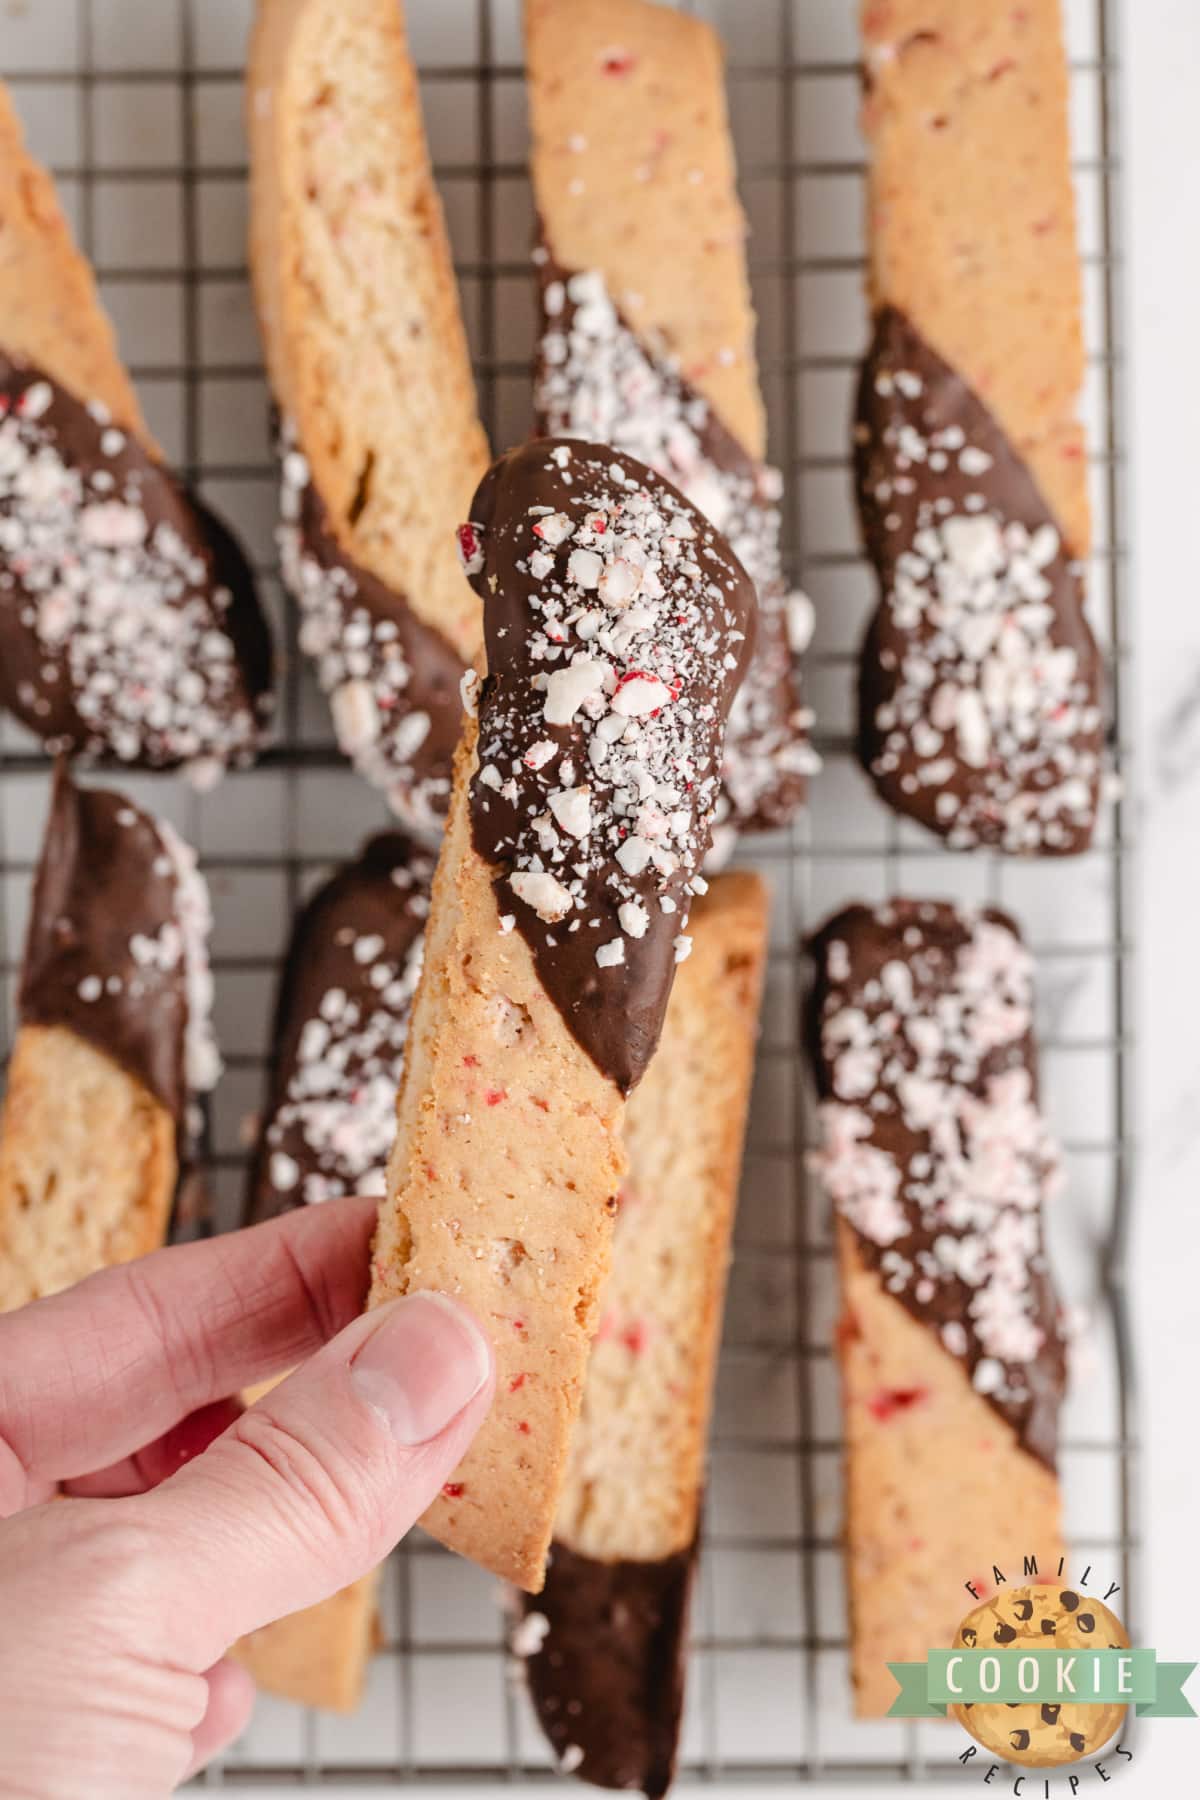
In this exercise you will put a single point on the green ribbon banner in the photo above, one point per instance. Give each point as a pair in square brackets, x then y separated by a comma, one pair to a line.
[1078, 1677]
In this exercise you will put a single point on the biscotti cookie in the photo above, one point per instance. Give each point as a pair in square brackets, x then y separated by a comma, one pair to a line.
[605, 1640]
[616, 629]
[113, 1039]
[647, 333]
[980, 689]
[368, 361]
[341, 1021]
[951, 1345]
[320, 1656]
[130, 629]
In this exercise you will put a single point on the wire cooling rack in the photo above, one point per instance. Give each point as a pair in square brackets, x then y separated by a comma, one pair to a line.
[138, 110]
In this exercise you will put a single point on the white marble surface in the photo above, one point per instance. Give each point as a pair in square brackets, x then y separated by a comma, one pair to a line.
[1162, 49]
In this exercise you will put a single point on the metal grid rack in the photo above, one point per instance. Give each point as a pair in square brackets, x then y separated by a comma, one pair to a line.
[138, 111]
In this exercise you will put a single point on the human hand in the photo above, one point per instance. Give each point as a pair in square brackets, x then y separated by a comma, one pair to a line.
[190, 1522]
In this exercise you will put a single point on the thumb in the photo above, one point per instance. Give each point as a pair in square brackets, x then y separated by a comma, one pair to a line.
[311, 1487]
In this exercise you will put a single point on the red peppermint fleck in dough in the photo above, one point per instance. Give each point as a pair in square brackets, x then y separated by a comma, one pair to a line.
[617, 61]
[518, 1381]
[495, 1095]
[453, 1490]
[889, 1401]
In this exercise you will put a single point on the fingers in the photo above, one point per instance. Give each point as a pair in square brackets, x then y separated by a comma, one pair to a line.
[89, 1376]
[231, 1696]
[312, 1487]
[165, 1456]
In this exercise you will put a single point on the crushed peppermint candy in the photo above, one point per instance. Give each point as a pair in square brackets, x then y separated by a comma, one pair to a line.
[981, 712]
[598, 380]
[129, 624]
[352, 975]
[185, 940]
[600, 725]
[393, 683]
[529, 1634]
[934, 1148]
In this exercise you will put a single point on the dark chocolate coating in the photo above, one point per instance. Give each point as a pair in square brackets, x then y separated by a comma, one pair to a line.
[418, 779]
[382, 895]
[130, 628]
[705, 622]
[927, 938]
[928, 451]
[105, 879]
[766, 745]
[609, 1678]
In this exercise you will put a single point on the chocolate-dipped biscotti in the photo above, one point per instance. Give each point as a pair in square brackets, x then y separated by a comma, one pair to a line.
[647, 328]
[114, 1037]
[605, 1640]
[617, 626]
[368, 361]
[130, 630]
[980, 685]
[341, 1022]
[952, 1352]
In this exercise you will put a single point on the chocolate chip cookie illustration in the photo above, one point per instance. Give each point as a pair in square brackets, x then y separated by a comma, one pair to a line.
[1041, 1618]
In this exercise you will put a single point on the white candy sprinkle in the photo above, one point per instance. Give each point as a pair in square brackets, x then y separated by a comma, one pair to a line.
[619, 582]
[553, 529]
[609, 955]
[529, 1634]
[573, 811]
[585, 567]
[633, 855]
[567, 689]
[633, 918]
[285, 1171]
[550, 900]
[640, 694]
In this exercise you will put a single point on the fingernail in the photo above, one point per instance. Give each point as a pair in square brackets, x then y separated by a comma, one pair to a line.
[420, 1366]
